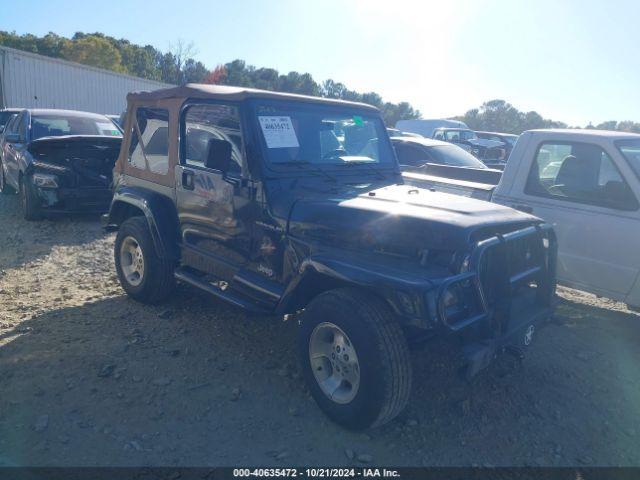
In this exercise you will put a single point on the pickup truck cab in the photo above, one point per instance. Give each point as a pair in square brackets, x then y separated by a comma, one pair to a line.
[586, 184]
[295, 206]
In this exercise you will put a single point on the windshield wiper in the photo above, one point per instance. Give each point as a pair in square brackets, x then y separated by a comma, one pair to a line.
[378, 173]
[301, 164]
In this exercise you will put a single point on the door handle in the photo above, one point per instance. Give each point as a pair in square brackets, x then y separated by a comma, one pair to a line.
[523, 208]
[187, 180]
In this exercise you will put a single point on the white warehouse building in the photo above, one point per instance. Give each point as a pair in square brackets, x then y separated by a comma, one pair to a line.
[28, 80]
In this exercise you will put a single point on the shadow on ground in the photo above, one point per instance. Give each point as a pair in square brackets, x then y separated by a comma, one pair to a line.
[113, 382]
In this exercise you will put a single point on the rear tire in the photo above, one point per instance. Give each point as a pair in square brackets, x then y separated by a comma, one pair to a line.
[363, 326]
[29, 201]
[143, 274]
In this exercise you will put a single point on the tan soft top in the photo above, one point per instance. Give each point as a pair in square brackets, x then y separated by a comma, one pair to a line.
[218, 92]
[172, 99]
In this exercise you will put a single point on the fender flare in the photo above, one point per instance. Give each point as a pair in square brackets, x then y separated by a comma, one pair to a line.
[159, 211]
[324, 272]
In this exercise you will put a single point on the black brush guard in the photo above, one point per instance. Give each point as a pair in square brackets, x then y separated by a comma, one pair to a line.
[502, 303]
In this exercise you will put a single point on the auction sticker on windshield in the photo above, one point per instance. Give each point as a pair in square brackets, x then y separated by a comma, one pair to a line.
[278, 132]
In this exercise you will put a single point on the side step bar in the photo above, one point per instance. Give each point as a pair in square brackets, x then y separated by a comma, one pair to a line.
[227, 296]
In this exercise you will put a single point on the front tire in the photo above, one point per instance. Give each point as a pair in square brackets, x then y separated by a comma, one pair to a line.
[29, 201]
[143, 274]
[5, 189]
[355, 358]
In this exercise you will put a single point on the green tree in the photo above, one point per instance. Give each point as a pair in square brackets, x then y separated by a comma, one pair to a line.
[392, 112]
[624, 126]
[94, 50]
[501, 116]
[294, 82]
[332, 89]
[238, 74]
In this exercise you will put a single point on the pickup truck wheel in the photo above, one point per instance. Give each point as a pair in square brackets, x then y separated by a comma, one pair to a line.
[29, 201]
[4, 187]
[143, 274]
[355, 358]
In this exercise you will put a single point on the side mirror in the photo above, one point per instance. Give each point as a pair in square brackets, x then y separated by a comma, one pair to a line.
[12, 137]
[218, 155]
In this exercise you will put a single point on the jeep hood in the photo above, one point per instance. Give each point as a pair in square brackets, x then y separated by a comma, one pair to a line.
[402, 219]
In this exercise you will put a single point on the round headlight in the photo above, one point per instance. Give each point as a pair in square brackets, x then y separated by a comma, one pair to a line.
[451, 297]
[45, 180]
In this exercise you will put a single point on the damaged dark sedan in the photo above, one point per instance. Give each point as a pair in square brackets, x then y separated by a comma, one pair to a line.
[59, 161]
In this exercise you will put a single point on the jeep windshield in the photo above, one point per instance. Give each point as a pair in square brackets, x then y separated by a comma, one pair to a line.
[322, 136]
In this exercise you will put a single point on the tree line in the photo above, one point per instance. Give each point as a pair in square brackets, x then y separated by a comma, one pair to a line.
[501, 116]
[178, 66]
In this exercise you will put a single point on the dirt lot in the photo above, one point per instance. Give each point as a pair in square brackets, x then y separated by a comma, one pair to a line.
[89, 377]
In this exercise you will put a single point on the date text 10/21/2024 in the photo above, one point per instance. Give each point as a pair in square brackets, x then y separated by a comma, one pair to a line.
[317, 472]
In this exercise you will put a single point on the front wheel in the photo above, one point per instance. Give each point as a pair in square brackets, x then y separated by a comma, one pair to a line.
[355, 358]
[4, 186]
[143, 274]
[29, 200]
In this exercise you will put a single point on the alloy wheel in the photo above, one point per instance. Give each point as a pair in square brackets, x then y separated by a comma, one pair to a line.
[334, 362]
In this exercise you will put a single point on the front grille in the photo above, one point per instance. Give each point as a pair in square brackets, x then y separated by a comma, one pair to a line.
[509, 268]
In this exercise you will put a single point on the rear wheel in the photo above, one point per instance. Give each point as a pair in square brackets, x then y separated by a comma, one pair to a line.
[143, 274]
[355, 358]
[29, 200]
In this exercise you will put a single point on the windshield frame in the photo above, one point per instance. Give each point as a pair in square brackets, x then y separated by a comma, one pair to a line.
[270, 168]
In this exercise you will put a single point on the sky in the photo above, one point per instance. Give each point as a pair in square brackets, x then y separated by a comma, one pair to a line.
[569, 60]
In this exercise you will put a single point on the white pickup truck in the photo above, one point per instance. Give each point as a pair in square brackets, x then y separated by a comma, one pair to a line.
[586, 183]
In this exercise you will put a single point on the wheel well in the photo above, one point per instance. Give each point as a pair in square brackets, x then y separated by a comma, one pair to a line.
[121, 211]
[315, 284]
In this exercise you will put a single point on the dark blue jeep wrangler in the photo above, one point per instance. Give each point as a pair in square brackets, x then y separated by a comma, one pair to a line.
[295, 206]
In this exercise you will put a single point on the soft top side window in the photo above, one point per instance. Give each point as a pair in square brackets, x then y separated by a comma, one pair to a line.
[149, 148]
[205, 122]
[581, 173]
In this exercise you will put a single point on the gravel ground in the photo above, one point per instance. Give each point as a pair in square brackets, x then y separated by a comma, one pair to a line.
[89, 377]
